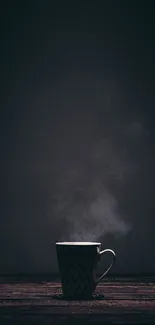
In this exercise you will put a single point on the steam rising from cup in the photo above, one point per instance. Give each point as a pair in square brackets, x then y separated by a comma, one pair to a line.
[99, 218]
[84, 201]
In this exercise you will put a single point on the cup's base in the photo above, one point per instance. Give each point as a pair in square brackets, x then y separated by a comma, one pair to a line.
[79, 298]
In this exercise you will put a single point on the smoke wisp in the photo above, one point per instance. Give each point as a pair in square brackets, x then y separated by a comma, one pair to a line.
[84, 200]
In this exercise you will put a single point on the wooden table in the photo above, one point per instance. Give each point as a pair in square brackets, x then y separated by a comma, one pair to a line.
[39, 301]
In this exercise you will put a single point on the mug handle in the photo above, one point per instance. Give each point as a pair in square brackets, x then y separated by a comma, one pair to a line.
[111, 265]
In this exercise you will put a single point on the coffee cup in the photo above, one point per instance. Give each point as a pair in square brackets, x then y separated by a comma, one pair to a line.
[77, 263]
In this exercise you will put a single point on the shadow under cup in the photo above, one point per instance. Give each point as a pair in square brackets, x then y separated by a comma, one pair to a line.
[77, 263]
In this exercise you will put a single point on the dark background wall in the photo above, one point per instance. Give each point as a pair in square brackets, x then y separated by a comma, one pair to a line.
[77, 133]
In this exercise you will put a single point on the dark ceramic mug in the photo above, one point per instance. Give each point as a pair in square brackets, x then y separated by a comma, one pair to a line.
[77, 263]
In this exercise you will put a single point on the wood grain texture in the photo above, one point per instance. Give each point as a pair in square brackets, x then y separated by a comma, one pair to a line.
[35, 301]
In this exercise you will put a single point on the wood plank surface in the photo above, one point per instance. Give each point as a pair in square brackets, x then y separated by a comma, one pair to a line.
[116, 301]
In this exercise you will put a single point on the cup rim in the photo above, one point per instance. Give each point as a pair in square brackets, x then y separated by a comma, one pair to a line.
[81, 243]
